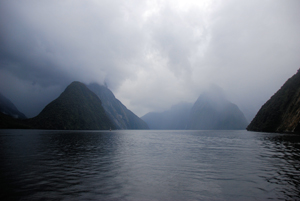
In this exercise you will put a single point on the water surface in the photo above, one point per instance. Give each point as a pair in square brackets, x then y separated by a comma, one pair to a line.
[148, 165]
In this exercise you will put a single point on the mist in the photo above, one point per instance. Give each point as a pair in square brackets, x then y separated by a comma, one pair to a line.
[151, 54]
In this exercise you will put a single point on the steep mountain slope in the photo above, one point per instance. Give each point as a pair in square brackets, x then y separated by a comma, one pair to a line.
[213, 112]
[117, 112]
[281, 113]
[176, 118]
[8, 108]
[77, 108]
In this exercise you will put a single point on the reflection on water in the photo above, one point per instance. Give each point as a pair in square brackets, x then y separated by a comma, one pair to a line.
[148, 165]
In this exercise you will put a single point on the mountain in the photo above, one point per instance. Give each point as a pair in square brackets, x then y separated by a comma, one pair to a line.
[9, 122]
[176, 118]
[8, 108]
[281, 113]
[116, 111]
[77, 108]
[212, 111]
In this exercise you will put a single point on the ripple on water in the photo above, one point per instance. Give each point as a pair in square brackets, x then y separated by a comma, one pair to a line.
[149, 165]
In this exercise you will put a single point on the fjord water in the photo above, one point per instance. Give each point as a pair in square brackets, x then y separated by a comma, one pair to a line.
[148, 165]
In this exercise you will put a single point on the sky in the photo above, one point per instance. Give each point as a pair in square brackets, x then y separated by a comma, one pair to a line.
[151, 54]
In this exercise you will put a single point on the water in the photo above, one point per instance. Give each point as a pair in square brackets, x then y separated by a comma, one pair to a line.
[148, 165]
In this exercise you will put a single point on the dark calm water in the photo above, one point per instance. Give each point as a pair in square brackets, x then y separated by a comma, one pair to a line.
[148, 165]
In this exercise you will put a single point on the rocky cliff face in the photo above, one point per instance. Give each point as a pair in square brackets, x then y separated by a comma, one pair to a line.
[117, 112]
[281, 113]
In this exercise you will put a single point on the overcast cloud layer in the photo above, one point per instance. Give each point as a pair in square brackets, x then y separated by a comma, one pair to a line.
[152, 54]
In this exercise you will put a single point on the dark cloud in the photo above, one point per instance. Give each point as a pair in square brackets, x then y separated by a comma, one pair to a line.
[152, 54]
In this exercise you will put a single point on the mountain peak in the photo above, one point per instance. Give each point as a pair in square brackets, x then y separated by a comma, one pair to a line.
[213, 111]
[77, 108]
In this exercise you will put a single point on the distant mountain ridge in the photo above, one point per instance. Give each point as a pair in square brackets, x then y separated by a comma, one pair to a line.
[116, 111]
[8, 108]
[94, 107]
[211, 111]
[281, 113]
[176, 118]
[215, 112]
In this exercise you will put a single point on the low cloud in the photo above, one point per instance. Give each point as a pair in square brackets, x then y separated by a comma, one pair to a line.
[151, 54]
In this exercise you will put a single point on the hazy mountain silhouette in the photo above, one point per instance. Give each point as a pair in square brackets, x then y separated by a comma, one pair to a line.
[281, 113]
[176, 118]
[116, 111]
[212, 111]
[78, 108]
[8, 108]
